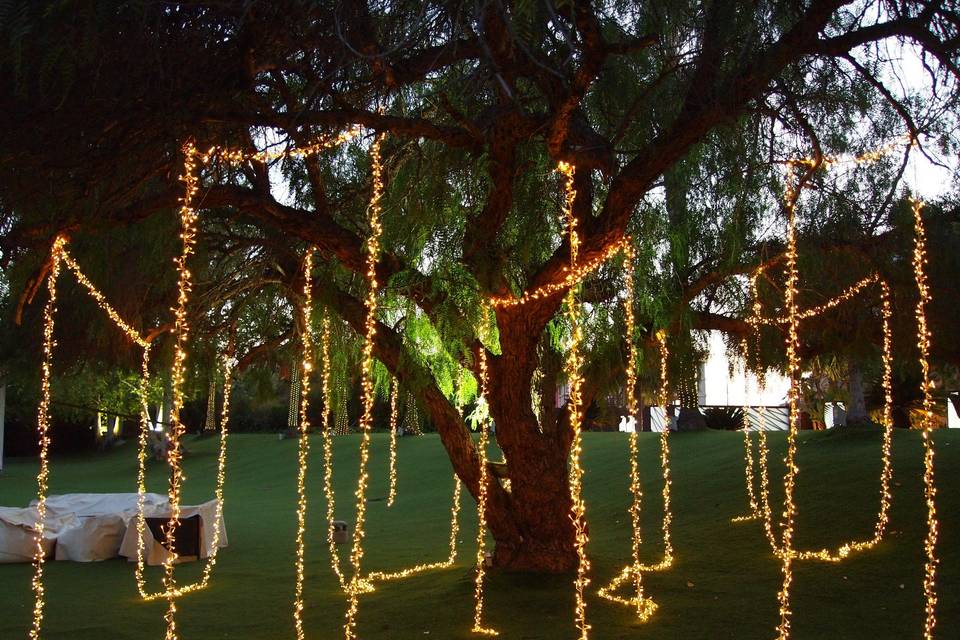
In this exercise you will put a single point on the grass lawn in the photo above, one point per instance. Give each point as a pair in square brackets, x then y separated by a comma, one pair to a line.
[723, 584]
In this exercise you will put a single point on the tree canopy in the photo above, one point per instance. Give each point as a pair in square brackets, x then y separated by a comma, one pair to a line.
[678, 116]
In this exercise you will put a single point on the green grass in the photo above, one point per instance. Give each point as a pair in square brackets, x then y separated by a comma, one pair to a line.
[723, 584]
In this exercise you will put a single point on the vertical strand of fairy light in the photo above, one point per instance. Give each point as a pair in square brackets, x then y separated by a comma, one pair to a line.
[366, 377]
[643, 605]
[886, 475]
[392, 494]
[483, 480]
[929, 485]
[793, 372]
[573, 367]
[303, 446]
[754, 510]
[762, 453]
[188, 221]
[664, 400]
[327, 431]
[43, 434]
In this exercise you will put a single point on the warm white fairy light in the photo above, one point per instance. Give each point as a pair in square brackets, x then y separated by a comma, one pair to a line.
[664, 400]
[575, 274]
[793, 315]
[327, 432]
[101, 300]
[188, 232]
[207, 572]
[753, 509]
[303, 447]
[366, 383]
[239, 156]
[929, 485]
[387, 576]
[43, 433]
[367, 583]
[193, 159]
[478, 625]
[573, 366]
[392, 492]
[793, 399]
[643, 606]
[847, 548]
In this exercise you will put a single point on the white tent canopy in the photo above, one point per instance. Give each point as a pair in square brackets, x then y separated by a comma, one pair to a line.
[87, 527]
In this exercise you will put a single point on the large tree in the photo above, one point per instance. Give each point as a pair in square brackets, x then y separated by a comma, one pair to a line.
[480, 100]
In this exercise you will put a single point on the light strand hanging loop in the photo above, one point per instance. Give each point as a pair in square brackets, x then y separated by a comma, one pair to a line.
[643, 606]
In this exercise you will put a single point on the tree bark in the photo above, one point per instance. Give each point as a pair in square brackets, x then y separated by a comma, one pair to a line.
[857, 406]
[539, 497]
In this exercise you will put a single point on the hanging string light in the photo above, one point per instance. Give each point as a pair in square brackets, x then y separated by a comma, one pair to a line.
[664, 401]
[366, 584]
[846, 549]
[643, 606]
[663, 395]
[387, 576]
[188, 232]
[753, 511]
[101, 300]
[793, 398]
[303, 447]
[929, 485]
[572, 368]
[478, 625]
[366, 383]
[43, 434]
[328, 452]
[392, 494]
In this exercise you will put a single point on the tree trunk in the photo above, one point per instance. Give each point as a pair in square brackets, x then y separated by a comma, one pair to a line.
[542, 537]
[690, 417]
[857, 406]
